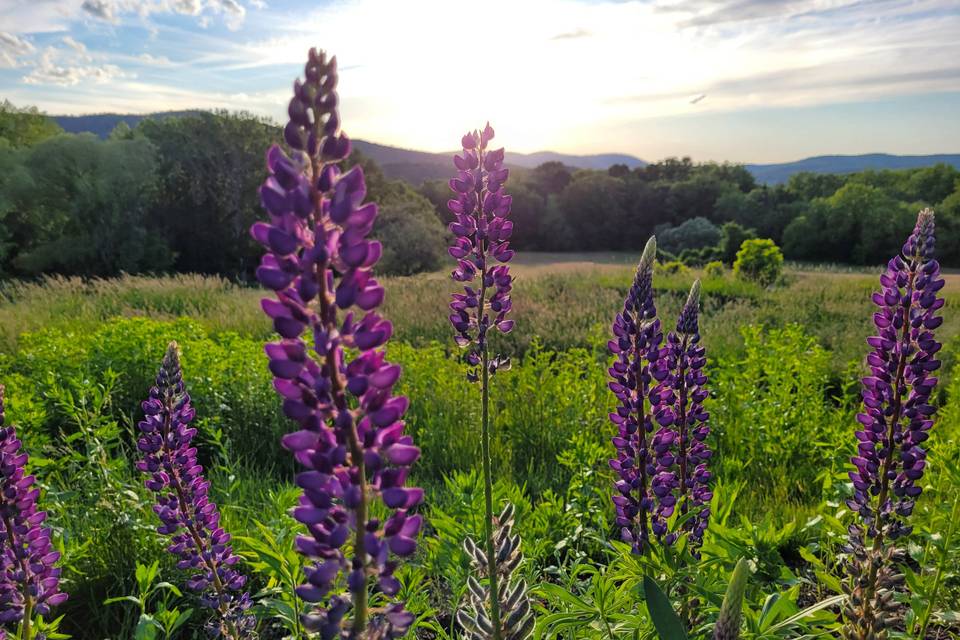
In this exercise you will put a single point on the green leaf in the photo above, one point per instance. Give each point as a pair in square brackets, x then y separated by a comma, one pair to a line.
[664, 618]
[823, 604]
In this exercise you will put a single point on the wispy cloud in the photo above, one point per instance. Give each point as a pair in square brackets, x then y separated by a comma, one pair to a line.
[571, 74]
[12, 49]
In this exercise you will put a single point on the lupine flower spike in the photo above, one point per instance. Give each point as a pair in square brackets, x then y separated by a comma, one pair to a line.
[482, 248]
[516, 613]
[636, 345]
[188, 515]
[895, 422]
[682, 478]
[728, 622]
[29, 581]
[351, 440]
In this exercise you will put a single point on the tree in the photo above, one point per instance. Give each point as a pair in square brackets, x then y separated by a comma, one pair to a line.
[759, 260]
[211, 166]
[550, 178]
[732, 236]
[413, 239]
[695, 233]
[86, 208]
[24, 126]
[592, 207]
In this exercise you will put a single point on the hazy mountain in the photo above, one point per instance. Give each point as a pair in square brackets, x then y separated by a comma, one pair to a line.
[781, 172]
[103, 123]
[417, 166]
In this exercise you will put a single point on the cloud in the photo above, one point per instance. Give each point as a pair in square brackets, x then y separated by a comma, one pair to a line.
[233, 11]
[258, 4]
[154, 61]
[101, 9]
[79, 47]
[12, 49]
[572, 35]
[48, 71]
[188, 7]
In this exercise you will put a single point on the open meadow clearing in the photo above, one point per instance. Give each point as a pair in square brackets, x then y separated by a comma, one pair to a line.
[783, 364]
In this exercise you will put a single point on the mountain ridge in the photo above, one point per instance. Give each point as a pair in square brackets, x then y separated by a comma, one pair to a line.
[416, 166]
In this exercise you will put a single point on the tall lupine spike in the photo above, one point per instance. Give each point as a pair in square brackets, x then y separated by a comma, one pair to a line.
[895, 422]
[29, 581]
[482, 247]
[682, 477]
[636, 346]
[516, 612]
[351, 438]
[188, 515]
[728, 623]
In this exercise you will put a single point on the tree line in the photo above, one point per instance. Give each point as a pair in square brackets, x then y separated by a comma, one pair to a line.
[179, 193]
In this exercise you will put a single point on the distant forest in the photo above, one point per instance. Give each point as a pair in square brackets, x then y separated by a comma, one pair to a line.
[179, 194]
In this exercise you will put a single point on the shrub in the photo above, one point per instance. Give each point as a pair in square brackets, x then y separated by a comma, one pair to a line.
[759, 260]
[695, 233]
[714, 269]
[671, 268]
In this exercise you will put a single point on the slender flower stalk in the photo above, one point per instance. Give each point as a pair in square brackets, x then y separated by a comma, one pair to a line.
[351, 441]
[895, 423]
[482, 248]
[188, 515]
[682, 477]
[636, 346]
[29, 581]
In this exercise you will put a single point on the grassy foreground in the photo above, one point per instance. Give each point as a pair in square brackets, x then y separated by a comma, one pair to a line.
[78, 356]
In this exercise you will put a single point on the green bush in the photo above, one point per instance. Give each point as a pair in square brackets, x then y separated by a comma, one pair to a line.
[759, 260]
[714, 269]
[671, 268]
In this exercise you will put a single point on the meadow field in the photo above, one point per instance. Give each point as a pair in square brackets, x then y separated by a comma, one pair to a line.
[78, 356]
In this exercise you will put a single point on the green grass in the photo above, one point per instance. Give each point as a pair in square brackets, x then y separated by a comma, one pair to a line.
[78, 356]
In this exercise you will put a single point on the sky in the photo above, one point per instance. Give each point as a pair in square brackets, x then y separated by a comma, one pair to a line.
[737, 80]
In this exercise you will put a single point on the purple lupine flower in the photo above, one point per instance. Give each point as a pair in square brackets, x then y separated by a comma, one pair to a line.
[636, 345]
[187, 514]
[351, 437]
[482, 246]
[680, 448]
[895, 423]
[29, 581]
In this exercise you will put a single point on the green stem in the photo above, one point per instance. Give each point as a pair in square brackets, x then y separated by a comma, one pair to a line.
[944, 554]
[482, 246]
[488, 491]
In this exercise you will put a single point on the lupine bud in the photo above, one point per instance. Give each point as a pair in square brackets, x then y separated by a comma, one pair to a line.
[636, 345]
[188, 515]
[895, 422]
[728, 623]
[351, 439]
[29, 581]
[681, 477]
[516, 615]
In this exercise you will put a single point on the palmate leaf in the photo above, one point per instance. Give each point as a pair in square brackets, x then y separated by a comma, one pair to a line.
[664, 618]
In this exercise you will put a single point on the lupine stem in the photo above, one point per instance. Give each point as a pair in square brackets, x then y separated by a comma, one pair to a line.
[954, 515]
[488, 490]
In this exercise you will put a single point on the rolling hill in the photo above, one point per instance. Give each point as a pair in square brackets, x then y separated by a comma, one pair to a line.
[417, 166]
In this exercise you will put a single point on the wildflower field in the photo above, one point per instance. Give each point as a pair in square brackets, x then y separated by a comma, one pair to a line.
[78, 357]
[594, 447]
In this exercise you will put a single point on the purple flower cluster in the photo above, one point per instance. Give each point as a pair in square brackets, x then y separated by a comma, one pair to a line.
[187, 514]
[482, 245]
[351, 438]
[897, 413]
[636, 346]
[679, 446]
[895, 422]
[659, 386]
[29, 581]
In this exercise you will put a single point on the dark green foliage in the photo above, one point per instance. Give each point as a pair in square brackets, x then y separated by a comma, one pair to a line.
[732, 236]
[210, 167]
[696, 233]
